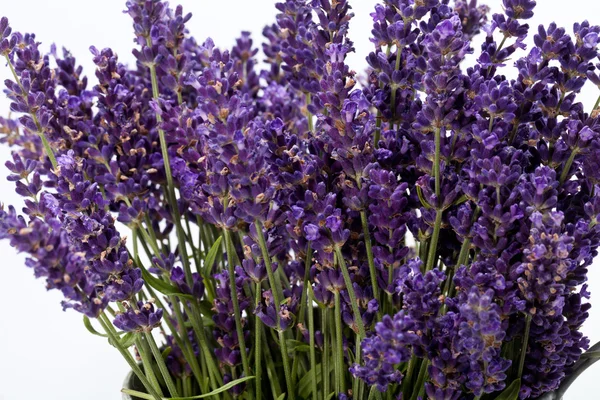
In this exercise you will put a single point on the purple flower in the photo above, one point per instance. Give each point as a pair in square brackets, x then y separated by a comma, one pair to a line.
[142, 318]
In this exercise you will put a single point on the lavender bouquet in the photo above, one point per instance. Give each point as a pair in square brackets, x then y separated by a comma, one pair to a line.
[296, 234]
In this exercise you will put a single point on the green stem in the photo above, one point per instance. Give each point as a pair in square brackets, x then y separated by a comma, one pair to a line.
[258, 345]
[596, 104]
[569, 163]
[395, 89]
[144, 351]
[161, 365]
[436, 164]
[277, 299]
[312, 345]
[434, 240]
[340, 375]
[370, 258]
[309, 116]
[524, 346]
[354, 303]
[187, 386]
[188, 355]
[235, 301]
[203, 342]
[181, 242]
[303, 306]
[325, 358]
[40, 131]
[420, 380]
[216, 379]
[409, 374]
[271, 370]
[103, 319]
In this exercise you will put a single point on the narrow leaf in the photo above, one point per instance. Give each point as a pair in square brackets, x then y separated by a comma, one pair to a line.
[591, 354]
[422, 199]
[281, 397]
[211, 257]
[88, 325]
[166, 352]
[163, 286]
[128, 339]
[206, 308]
[135, 393]
[297, 346]
[223, 388]
[511, 392]
[216, 391]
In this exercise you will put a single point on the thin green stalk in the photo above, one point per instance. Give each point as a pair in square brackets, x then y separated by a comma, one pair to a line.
[434, 240]
[596, 104]
[181, 243]
[354, 303]
[103, 319]
[216, 379]
[235, 301]
[203, 341]
[370, 259]
[258, 345]
[524, 345]
[423, 248]
[438, 214]
[277, 299]
[271, 370]
[420, 380]
[436, 164]
[497, 51]
[303, 305]
[144, 351]
[339, 374]
[181, 388]
[312, 345]
[358, 385]
[409, 374]
[395, 89]
[187, 387]
[309, 116]
[40, 131]
[325, 358]
[161, 365]
[569, 163]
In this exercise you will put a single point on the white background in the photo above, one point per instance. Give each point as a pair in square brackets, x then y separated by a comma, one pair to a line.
[46, 353]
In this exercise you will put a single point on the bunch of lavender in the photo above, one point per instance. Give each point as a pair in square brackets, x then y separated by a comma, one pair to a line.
[424, 235]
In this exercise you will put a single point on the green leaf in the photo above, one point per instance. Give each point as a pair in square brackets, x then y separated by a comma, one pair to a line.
[305, 385]
[422, 199]
[88, 325]
[211, 257]
[281, 397]
[223, 388]
[206, 308]
[297, 346]
[164, 287]
[128, 340]
[330, 395]
[458, 201]
[216, 391]
[511, 392]
[140, 395]
[591, 354]
[166, 352]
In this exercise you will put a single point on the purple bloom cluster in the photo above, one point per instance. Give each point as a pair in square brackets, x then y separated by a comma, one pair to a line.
[427, 232]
